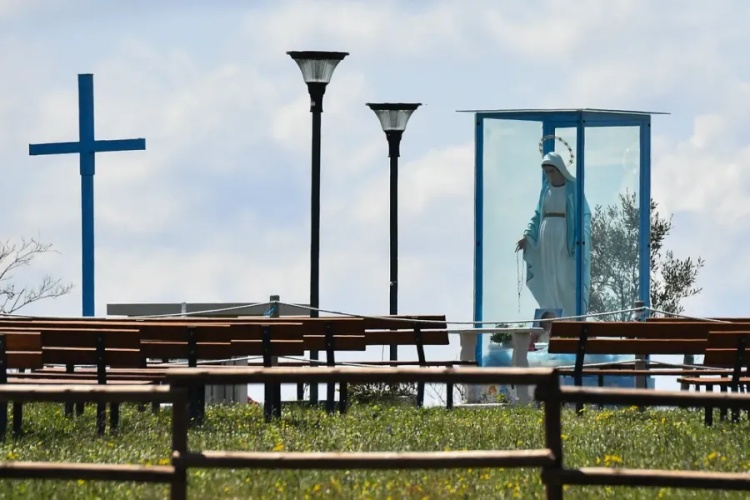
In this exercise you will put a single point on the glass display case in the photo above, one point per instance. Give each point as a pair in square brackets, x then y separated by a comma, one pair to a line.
[603, 242]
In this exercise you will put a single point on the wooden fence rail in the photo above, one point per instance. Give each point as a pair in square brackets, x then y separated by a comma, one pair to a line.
[606, 476]
[29, 393]
[549, 458]
[187, 378]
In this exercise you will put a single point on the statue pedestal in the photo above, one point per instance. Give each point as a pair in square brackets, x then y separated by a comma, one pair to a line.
[520, 359]
[518, 351]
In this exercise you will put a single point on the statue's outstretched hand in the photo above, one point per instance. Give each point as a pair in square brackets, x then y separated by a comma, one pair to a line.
[521, 245]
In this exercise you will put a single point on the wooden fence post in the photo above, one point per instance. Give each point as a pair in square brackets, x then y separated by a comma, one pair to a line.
[553, 436]
[179, 442]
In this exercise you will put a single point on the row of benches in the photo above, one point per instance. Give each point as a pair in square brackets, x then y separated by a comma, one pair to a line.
[135, 350]
[121, 349]
[724, 346]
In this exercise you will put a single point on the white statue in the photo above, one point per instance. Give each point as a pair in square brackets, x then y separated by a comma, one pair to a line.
[548, 243]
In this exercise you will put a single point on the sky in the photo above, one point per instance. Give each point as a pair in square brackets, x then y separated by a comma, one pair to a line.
[217, 208]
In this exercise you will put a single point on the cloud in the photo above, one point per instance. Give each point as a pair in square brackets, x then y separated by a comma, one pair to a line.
[217, 207]
[388, 28]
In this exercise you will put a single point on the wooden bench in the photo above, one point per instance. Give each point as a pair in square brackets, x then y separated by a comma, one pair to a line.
[114, 348]
[217, 341]
[217, 338]
[269, 338]
[337, 334]
[730, 350]
[82, 346]
[402, 330]
[214, 338]
[412, 330]
[628, 338]
[18, 351]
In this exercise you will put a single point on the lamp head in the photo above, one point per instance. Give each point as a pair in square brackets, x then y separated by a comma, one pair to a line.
[317, 66]
[393, 116]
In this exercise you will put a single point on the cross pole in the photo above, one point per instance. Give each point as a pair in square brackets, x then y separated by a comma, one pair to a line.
[87, 147]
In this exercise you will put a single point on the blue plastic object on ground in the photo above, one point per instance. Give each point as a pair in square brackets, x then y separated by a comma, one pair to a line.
[497, 356]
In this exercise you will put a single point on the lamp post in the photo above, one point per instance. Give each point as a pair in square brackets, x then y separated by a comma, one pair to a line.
[393, 118]
[317, 69]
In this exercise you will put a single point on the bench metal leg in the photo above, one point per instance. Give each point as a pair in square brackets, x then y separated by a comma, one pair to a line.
[277, 400]
[723, 411]
[422, 363]
[155, 406]
[709, 418]
[101, 418]
[331, 398]
[343, 397]
[114, 416]
[17, 419]
[194, 404]
[68, 406]
[420, 394]
[3, 420]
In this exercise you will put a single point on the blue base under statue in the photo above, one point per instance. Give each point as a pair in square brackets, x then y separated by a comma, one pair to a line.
[498, 356]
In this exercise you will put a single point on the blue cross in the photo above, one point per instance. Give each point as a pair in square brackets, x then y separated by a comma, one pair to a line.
[87, 147]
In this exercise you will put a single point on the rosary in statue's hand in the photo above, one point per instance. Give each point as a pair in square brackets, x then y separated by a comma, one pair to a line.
[521, 245]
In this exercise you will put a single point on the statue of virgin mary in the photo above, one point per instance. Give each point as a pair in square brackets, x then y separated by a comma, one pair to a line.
[548, 243]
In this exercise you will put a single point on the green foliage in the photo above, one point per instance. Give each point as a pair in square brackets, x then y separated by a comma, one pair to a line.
[663, 439]
[501, 337]
[614, 261]
[381, 392]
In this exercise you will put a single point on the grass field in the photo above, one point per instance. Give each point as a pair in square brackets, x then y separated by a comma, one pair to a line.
[629, 438]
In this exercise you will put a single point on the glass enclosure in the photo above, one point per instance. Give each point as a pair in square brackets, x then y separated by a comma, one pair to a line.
[607, 154]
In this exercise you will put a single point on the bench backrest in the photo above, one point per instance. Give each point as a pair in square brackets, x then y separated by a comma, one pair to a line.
[706, 320]
[120, 347]
[74, 340]
[630, 337]
[728, 349]
[21, 350]
[271, 337]
[398, 330]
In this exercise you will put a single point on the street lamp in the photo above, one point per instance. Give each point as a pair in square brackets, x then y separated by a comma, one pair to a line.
[317, 69]
[393, 118]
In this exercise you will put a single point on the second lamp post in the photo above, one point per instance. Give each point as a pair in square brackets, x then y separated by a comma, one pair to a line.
[317, 69]
[393, 118]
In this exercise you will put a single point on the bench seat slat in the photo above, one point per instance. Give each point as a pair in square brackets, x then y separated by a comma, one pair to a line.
[341, 342]
[677, 330]
[278, 348]
[179, 333]
[727, 340]
[29, 360]
[22, 341]
[387, 337]
[119, 339]
[76, 381]
[724, 358]
[203, 350]
[629, 346]
[82, 356]
[709, 380]
[207, 332]
[428, 322]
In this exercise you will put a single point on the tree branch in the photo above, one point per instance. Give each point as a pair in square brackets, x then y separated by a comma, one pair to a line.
[15, 255]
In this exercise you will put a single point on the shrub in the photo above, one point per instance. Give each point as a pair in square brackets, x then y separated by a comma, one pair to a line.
[380, 392]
